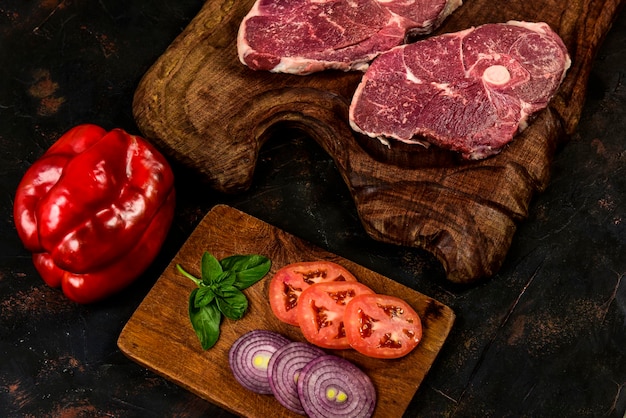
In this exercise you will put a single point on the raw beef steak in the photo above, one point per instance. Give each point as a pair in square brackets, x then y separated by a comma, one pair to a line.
[469, 91]
[305, 36]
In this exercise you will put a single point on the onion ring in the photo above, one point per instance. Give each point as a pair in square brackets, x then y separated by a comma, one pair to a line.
[284, 371]
[333, 387]
[249, 357]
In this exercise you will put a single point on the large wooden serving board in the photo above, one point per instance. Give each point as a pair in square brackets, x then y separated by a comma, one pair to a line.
[205, 109]
[159, 335]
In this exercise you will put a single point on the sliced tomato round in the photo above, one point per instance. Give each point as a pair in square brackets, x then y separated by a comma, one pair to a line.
[291, 280]
[320, 312]
[382, 326]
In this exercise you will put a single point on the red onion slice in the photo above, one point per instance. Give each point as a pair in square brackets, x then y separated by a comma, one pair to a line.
[284, 371]
[333, 387]
[249, 357]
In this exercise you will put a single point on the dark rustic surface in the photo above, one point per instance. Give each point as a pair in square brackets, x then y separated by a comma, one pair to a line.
[545, 336]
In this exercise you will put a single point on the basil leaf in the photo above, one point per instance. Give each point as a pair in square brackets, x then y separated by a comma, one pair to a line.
[205, 321]
[211, 268]
[204, 296]
[248, 269]
[226, 279]
[219, 292]
[233, 303]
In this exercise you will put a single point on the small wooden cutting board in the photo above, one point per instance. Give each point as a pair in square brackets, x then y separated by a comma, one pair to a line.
[208, 111]
[159, 335]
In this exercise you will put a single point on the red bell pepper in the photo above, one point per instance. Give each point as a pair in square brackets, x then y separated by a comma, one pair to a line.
[94, 210]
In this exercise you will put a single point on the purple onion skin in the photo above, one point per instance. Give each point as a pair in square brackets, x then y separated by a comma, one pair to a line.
[329, 371]
[241, 358]
[286, 362]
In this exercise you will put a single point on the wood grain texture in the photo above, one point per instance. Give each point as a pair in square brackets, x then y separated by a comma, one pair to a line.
[205, 109]
[159, 335]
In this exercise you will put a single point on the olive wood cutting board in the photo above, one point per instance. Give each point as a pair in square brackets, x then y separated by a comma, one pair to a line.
[202, 107]
[159, 335]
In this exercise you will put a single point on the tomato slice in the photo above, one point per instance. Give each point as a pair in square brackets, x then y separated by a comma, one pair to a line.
[382, 326]
[289, 282]
[320, 312]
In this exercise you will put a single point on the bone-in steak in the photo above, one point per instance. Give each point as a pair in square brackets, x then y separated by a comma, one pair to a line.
[469, 91]
[305, 36]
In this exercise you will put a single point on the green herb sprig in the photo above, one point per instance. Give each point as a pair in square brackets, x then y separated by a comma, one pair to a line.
[219, 292]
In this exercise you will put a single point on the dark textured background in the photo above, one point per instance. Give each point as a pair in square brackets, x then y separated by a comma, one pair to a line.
[546, 336]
